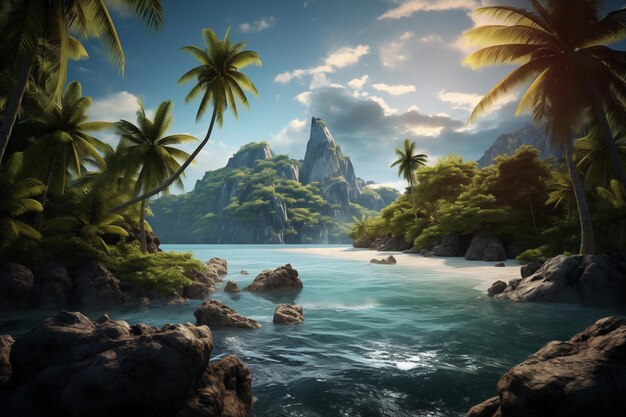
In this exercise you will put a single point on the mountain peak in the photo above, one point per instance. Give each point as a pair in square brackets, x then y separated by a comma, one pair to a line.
[248, 154]
[320, 133]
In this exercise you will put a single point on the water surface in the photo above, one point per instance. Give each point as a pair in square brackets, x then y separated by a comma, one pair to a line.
[377, 340]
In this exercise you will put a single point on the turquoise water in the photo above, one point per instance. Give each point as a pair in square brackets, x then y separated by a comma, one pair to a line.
[377, 340]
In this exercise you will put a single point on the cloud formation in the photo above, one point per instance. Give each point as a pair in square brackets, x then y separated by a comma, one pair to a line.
[340, 58]
[407, 8]
[115, 106]
[394, 90]
[257, 25]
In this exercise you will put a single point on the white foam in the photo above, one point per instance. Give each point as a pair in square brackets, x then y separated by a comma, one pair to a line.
[339, 307]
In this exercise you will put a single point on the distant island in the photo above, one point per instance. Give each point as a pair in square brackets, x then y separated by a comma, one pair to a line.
[260, 197]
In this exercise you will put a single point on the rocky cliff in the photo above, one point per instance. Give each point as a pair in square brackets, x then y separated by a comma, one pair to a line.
[260, 197]
[508, 143]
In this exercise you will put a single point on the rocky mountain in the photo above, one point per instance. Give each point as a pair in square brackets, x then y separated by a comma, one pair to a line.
[508, 143]
[260, 197]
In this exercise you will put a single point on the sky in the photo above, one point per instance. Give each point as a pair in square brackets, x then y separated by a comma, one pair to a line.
[378, 71]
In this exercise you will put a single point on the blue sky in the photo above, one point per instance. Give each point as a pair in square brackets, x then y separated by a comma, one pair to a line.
[378, 71]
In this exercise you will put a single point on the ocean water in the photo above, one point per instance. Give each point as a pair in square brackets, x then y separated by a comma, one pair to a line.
[377, 340]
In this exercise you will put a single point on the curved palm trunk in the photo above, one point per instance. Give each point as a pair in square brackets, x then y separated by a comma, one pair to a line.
[587, 243]
[608, 139]
[14, 104]
[44, 196]
[176, 174]
[142, 227]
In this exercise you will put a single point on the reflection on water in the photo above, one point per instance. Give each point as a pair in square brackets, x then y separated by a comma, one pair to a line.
[393, 341]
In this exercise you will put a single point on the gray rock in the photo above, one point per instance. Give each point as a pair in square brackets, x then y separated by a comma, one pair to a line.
[361, 243]
[500, 265]
[53, 285]
[485, 247]
[389, 260]
[451, 245]
[246, 158]
[281, 279]
[595, 280]
[16, 285]
[198, 291]
[288, 314]
[219, 265]
[213, 313]
[231, 287]
[584, 376]
[529, 269]
[71, 366]
[209, 277]
[393, 243]
[496, 288]
[6, 342]
[244, 272]
[176, 299]
[95, 286]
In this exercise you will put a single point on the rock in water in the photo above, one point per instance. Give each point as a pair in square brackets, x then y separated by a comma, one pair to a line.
[71, 366]
[53, 285]
[282, 278]
[595, 280]
[16, 285]
[582, 377]
[219, 265]
[6, 342]
[95, 286]
[244, 272]
[212, 313]
[496, 288]
[389, 260]
[288, 314]
[529, 269]
[232, 287]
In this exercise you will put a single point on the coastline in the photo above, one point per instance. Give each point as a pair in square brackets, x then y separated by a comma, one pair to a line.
[483, 273]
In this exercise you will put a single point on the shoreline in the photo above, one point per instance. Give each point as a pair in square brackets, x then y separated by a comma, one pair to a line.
[484, 273]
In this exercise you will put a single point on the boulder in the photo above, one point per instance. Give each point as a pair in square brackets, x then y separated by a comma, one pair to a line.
[389, 260]
[232, 287]
[95, 286]
[198, 291]
[53, 285]
[451, 245]
[209, 277]
[176, 299]
[393, 243]
[496, 288]
[411, 251]
[6, 342]
[282, 278]
[500, 265]
[584, 376]
[593, 280]
[485, 247]
[144, 301]
[288, 314]
[244, 272]
[216, 314]
[16, 285]
[361, 243]
[529, 269]
[219, 265]
[71, 366]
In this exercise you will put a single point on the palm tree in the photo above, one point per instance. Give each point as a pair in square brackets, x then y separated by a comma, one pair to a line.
[359, 230]
[63, 143]
[45, 32]
[615, 194]
[17, 197]
[561, 48]
[561, 192]
[221, 83]
[149, 154]
[407, 163]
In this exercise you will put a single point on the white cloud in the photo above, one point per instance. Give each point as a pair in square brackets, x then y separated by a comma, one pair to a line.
[431, 39]
[257, 25]
[394, 90]
[387, 109]
[358, 83]
[467, 101]
[413, 108]
[338, 59]
[409, 7]
[116, 106]
[291, 132]
[396, 52]
[304, 98]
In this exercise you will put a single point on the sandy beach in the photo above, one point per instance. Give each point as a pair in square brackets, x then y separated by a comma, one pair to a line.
[483, 273]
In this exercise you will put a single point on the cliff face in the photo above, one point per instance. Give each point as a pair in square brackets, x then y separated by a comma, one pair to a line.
[508, 143]
[262, 198]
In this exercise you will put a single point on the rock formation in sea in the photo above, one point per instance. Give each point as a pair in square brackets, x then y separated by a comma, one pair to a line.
[260, 197]
[283, 278]
[508, 143]
[288, 314]
[593, 280]
[72, 366]
[213, 313]
[582, 377]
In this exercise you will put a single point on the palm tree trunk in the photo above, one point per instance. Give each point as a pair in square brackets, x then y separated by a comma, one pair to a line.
[14, 104]
[176, 174]
[587, 243]
[142, 227]
[44, 195]
[608, 138]
[532, 214]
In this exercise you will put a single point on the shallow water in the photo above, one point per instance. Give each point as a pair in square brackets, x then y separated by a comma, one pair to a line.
[377, 340]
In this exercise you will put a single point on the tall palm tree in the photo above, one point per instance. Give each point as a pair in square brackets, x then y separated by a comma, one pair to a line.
[408, 162]
[149, 154]
[62, 140]
[561, 47]
[220, 81]
[17, 197]
[45, 32]
[359, 229]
